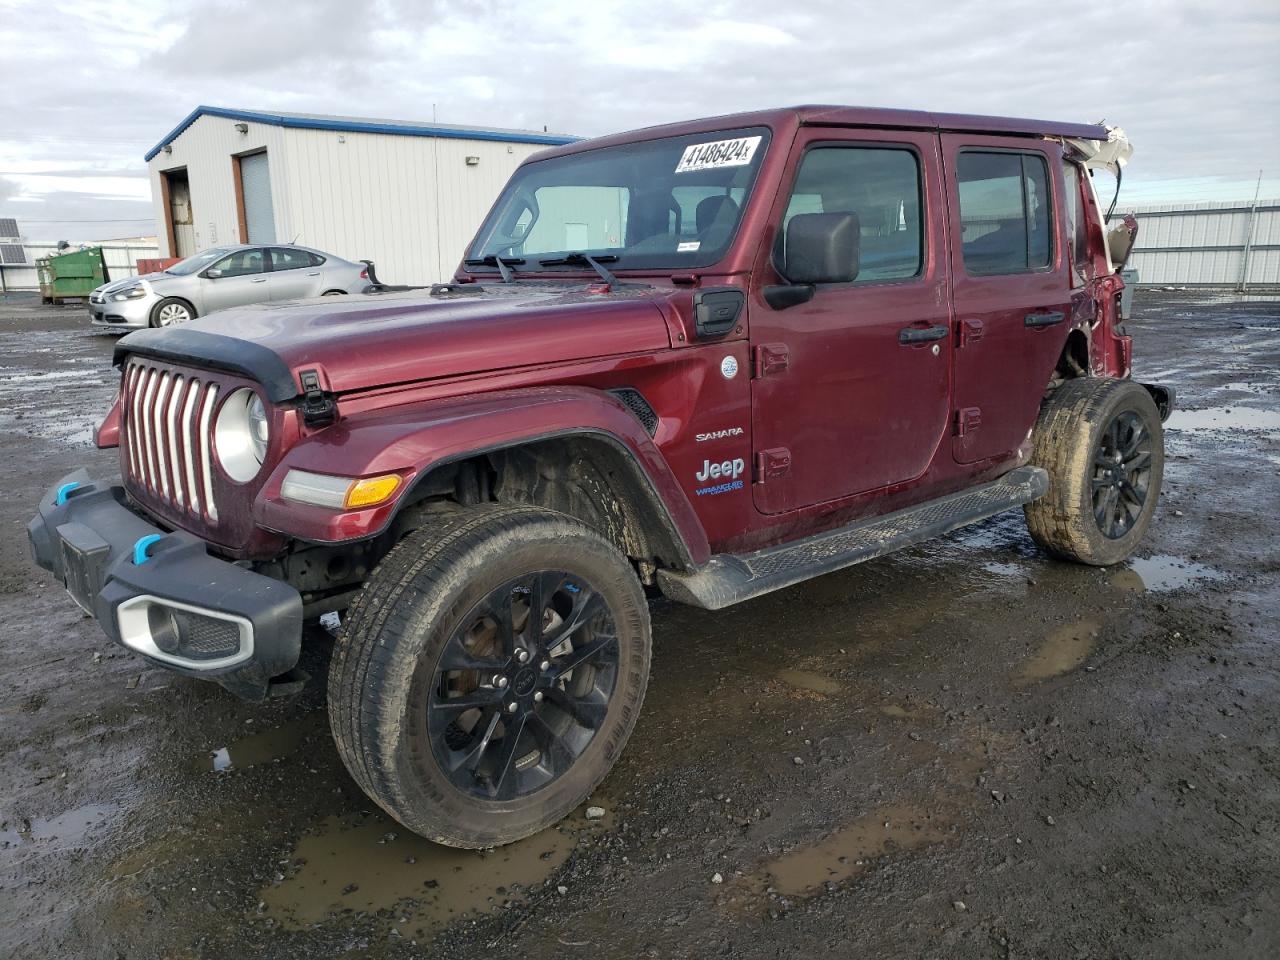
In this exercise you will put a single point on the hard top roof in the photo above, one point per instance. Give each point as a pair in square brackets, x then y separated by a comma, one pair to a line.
[845, 116]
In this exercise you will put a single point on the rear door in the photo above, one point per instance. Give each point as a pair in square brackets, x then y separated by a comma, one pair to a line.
[294, 274]
[1011, 287]
[851, 390]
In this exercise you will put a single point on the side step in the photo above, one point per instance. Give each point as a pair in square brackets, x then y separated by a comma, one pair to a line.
[731, 578]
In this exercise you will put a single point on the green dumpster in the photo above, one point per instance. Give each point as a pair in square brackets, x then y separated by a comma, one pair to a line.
[71, 275]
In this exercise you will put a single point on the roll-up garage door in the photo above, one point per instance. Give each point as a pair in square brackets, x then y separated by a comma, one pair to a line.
[255, 187]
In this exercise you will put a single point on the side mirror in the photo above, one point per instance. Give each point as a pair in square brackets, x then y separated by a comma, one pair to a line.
[213, 273]
[820, 248]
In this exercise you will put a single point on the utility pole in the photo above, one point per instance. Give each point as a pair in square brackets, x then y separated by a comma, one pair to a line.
[1248, 238]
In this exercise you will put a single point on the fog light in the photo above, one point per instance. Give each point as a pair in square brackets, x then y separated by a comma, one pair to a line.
[184, 635]
[163, 627]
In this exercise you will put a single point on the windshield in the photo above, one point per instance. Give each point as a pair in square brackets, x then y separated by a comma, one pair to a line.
[670, 203]
[198, 262]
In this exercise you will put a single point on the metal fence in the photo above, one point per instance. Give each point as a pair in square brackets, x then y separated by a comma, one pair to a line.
[120, 256]
[1208, 244]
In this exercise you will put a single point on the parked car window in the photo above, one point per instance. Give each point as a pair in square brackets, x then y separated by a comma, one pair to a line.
[283, 258]
[242, 263]
[1005, 212]
[196, 263]
[316, 259]
[881, 185]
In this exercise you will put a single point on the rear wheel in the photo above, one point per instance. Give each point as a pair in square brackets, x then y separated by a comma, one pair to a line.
[334, 293]
[1103, 445]
[490, 673]
[171, 310]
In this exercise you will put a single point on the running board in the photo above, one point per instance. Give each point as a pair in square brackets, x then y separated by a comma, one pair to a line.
[731, 578]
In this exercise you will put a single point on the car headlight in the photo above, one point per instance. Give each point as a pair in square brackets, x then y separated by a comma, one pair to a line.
[133, 293]
[240, 435]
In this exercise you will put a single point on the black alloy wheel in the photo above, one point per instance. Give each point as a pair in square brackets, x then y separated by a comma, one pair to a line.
[523, 685]
[1121, 474]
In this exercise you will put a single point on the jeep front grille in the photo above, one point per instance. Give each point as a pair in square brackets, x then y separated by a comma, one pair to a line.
[166, 431]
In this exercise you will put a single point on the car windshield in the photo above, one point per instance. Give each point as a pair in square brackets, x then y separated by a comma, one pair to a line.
[198, 262]
[669, 203]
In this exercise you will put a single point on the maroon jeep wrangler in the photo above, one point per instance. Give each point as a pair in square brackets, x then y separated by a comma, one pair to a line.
[706, 360]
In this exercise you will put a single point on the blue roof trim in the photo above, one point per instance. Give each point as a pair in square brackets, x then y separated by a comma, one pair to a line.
[359, 126]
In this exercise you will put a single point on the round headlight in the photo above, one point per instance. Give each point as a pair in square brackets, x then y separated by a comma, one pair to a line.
[240, 435]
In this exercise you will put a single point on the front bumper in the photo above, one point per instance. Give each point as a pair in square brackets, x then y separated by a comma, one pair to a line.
[179, 607]
[122, 314]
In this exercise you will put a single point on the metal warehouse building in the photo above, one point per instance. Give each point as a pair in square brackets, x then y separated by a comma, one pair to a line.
[1209, 244]
[408, 196]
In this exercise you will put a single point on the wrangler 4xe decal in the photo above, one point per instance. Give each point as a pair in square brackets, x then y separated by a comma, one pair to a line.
[727, 470]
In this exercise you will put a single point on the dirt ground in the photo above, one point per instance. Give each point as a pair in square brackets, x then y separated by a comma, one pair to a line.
[965, 750]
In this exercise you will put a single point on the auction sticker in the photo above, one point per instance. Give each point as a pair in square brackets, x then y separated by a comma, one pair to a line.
[720, 153]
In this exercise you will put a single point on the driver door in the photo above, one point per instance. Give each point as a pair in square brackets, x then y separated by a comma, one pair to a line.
[850, 391]
[243, 280]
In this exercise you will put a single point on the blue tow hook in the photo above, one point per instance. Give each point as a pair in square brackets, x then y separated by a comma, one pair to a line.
[64, 491]
[142, 546]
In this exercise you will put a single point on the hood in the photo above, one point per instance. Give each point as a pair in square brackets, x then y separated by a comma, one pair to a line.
[361, 342]
[117, 285]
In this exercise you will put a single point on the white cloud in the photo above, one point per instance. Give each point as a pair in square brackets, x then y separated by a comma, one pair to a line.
[1198, 91]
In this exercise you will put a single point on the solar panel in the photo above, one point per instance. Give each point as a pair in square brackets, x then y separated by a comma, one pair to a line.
[12, 253]
[9, 229]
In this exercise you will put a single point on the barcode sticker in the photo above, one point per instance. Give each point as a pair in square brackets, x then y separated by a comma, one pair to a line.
[720, 153]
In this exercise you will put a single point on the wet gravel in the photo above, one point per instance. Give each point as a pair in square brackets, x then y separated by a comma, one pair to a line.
[965, 750]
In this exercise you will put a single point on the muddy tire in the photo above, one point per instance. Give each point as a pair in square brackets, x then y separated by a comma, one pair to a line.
[1103, 445]
[170, 311]
[452, 711]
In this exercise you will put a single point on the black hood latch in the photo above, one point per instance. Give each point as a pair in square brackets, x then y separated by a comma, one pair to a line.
[319, 409]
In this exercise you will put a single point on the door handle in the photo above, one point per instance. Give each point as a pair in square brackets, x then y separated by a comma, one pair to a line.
[1044, 319]
[258, 280]
[913, 335]
[316, 274]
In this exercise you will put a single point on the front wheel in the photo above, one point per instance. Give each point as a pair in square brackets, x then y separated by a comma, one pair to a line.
[489, 674]
[171, 310]
[1103, 445]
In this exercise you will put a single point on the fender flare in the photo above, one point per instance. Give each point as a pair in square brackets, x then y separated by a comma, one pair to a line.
[418, 438]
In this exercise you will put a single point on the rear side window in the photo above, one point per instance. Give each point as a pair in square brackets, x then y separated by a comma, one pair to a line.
[1006, 216]
[881, 186]
[284, 258]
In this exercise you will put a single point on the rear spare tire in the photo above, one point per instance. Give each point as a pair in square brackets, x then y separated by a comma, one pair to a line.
[1102, 444]
[489, 673]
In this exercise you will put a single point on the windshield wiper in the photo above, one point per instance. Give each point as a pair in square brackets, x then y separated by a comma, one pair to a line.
[583, 258]
[504, 265]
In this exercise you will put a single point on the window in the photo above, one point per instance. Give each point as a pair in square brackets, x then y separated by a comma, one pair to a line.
[1005, 212]
[283, 258]
[242, 263]
[668, 203]
[1077, 221]
[881, 186]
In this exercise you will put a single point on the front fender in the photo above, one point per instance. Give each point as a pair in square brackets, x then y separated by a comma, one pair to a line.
[414, 439]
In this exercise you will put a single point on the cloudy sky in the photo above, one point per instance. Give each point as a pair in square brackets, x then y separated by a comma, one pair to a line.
[1196, 86]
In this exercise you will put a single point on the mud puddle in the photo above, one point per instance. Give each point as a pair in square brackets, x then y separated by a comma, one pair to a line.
[65, 830]
[810, 682]
[262, 747]
[370, 863]
[1063, 650]
[849, 851]
[1218, 419]
[1161, 573]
